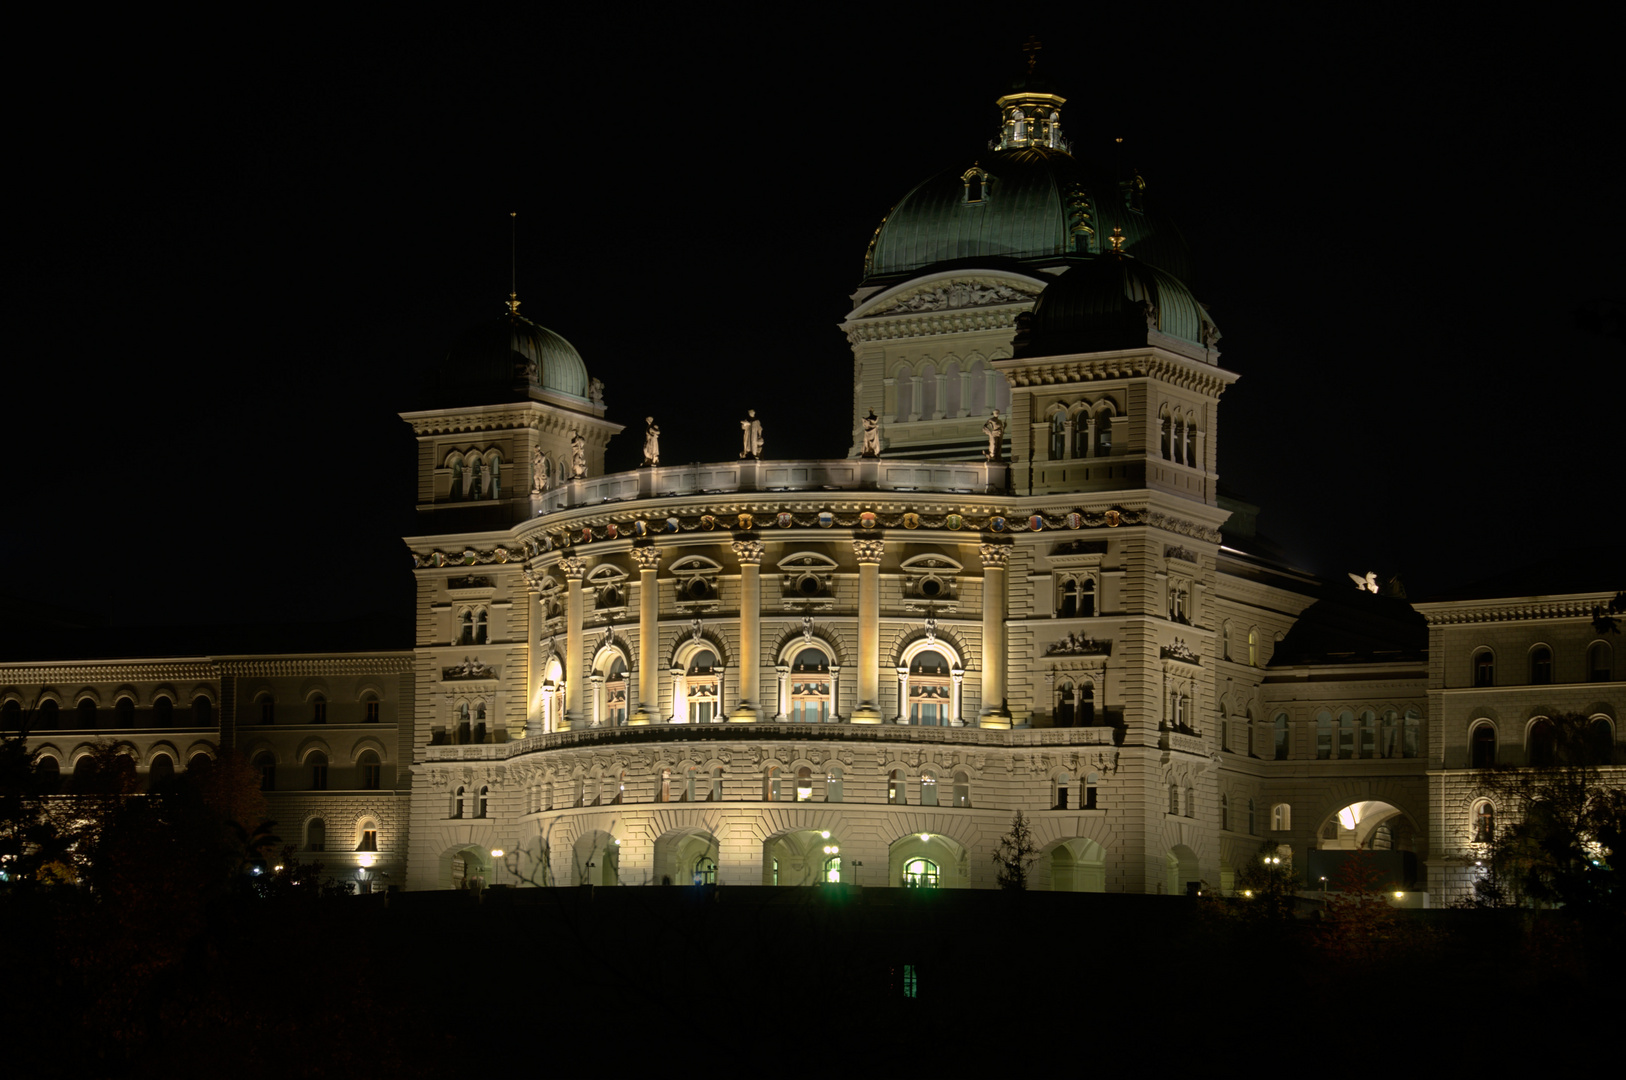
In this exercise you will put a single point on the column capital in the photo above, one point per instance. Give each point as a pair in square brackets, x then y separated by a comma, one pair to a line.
[647, 558]
[868, 551]
[995, 556]
[748, 552]
[537, 580]
[572, 567]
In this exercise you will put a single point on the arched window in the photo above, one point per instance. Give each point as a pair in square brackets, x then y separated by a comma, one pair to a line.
[1369, 733]
[1542, 743]
[832, 870]
[203, 712]
[316, 835]
[318, 709]
[1066, 694]
[1253, 647]
[962, 790]
[371, 770]
[457, 802]
[1541, 666]
[1174, 800]
[1253, 829]
[160, 772]
[465, 628]
[1103, 432]
[163, 712]
[1484, 668]
[770, 784]
[86, 710]
[1079, 430]
[1483, 742]
[1058, 436]
[268, 709]
[318, 765]
[1191, 438]
[47, 775]
[267, 764]
[1067, 607]
[1484, 822]
[1191, 803]
[369, 708]
[894, 788]
[1389, 742]
[124, 712]
[1059, 792]
[1323, 735]
[50, 715]
[1600, 741]
[198, 762]
[1225, 814]
[920, 874]
[1280, 737]
[1411, 734]
[928, 788]
[1281, 817]
[1167, 427]
[664, 792]
[1346, 734]
[12, 712]
[1086, 599]
[689, 779]
[832, 784]
[482, 803]
[615, 692]
[1091, 781]
[930, 689]
[705, 870]
[716, 785]
[810, 688]
[804, 784]
[1599, 662]
[701, 688]
[480, 626]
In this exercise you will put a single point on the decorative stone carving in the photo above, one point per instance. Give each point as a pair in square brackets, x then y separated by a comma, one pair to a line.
[572, 567]
[652, 442]
[1149, 309]
[995, 430]
[647, 558]
[995, 556]
[1210, 334]
[1179, 651]
[868, 551]
[1076, 645]
[748, 551]
[807, 629]
[468, 669]
[959, 294]
[872, 436]
[595, 391]
[539, 472]
[751, 436]
[696, 630]
[469, 582]
[1177, 552]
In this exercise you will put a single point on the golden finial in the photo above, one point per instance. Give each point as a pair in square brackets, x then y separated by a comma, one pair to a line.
[1116, 240]
[513, 289]
[1031, 46]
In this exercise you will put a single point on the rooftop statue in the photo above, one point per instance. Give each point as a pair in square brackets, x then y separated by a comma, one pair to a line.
[578, 456]
[872, 436]
[995, 430]
[652, 442]
[751, 431]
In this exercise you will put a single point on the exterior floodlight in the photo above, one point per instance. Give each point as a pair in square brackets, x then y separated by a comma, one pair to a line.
[825, 834]
[366, 859]
[925, 836]
[497, 853]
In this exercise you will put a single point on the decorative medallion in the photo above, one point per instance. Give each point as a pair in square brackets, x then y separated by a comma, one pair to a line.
[866, 520]
[953, 521]
[826, 519]
[671, 524]
[783, 520]
[746, 523]
[996, 524]
[1036, 522]
[640, 528]
[1113, 518]
[501, 554]
[911, 521]
[437, 559]
[610, 531]
[707, 521]
[587, 535]
[1075, 521]
[469, 556]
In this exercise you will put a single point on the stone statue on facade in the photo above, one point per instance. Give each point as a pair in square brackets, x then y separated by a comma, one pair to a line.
[751, 433]
[578, 456]
[995, 430]
[652, 442]
[595, 391]
[539, 472]
[872, 436]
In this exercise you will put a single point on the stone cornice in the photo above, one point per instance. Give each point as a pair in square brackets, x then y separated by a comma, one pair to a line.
[80, 671]
[1512, 609]
[520, 415]
[936, 323]
[1171, 368]
[361, 664]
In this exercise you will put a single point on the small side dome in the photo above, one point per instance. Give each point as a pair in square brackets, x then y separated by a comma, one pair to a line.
[1114, 301]
[509, 357]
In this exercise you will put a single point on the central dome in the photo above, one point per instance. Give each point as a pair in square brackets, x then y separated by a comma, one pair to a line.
[1027, 199]
[511, 356]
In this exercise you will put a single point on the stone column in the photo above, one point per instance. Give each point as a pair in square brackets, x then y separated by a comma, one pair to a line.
[995, 558]
[868, 554]
[749, 553]
[573, 569]
[649, 625]
[534, 580]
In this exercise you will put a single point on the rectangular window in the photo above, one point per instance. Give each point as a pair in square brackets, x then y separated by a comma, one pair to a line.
[372, 712]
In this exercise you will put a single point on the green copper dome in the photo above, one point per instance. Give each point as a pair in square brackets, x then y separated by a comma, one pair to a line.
[1027, 198]
[511, 357]
[1111, 302]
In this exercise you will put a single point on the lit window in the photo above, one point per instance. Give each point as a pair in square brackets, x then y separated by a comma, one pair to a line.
[894, 789]
[928, 789]
[920, 874]
[701, 688]
[1281, 817]
[615, 693]
[705, 871]
[804, 784]
[962, 790]
[810, 688]
[930, 692]
[1484, 822]
[832, 870]
[832, 784]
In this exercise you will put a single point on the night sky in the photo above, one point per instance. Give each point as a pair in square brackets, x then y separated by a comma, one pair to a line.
[235, 256]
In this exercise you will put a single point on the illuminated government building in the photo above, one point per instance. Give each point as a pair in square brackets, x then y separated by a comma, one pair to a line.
[855, 670]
